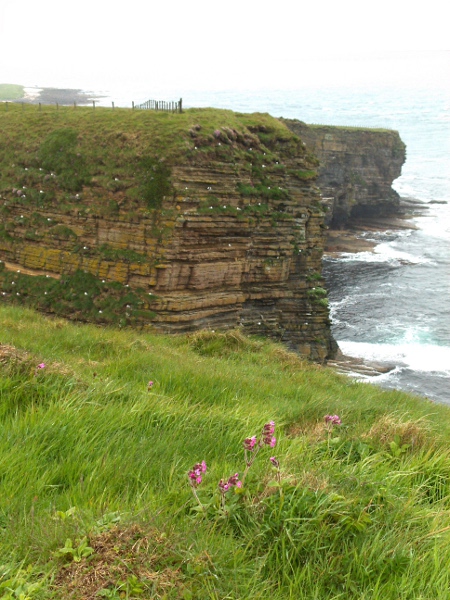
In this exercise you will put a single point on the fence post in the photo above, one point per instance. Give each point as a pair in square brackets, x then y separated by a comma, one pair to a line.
[93, 103]
[181, 105]
[113, 105]
[40, 107]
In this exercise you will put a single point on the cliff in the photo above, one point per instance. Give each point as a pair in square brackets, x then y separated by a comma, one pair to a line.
[357, 168]
[206, 219]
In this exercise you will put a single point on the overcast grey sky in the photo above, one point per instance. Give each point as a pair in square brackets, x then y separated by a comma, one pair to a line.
[99, 44]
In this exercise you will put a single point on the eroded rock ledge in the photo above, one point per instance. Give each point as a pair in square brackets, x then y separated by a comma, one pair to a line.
[357, 169]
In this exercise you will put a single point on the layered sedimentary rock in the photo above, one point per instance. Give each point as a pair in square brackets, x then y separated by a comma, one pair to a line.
[357, 169]
[236, 242]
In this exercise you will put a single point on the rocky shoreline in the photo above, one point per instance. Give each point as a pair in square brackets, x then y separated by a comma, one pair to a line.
[50, 95]
[354, 367]
[350, 240]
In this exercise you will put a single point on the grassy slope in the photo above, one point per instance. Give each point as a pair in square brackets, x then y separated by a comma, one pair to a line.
[87, 450]
[103, 132]
[11, 91]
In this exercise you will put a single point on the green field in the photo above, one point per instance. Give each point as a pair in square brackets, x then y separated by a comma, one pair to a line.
[10, 91]
[95, 501]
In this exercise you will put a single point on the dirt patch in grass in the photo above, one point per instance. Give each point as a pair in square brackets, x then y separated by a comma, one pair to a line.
[313, 432]
[9, 355]
[388, 429]
[127, 562]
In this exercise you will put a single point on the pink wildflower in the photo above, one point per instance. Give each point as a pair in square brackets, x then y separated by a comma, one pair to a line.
[223, 486]
[270, 441]
[195, 474]
[233, 481]
[149, 385]
[333, 419]
[274, 461]
[269, 428]
[41, 366]
[250, 443]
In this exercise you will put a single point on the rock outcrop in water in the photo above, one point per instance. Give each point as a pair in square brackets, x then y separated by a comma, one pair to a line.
[357, 169]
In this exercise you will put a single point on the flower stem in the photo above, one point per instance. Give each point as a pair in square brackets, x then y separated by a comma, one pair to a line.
[197, 498]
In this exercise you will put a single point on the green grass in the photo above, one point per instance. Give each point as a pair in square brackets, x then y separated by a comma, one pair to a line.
[94, 494]
[66, 158]
[10, 91]
[348, 128]
[80, 296]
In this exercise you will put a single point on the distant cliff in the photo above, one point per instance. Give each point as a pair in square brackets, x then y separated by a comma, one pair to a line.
[357, 168]
[207, 219]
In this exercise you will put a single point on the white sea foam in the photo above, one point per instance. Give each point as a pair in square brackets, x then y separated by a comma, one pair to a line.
[385, 253]
[31, 93]
[427, 358]
[436, 225]
[380, 378]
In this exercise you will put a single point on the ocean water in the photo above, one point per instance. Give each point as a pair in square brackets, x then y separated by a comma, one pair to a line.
[391, 305]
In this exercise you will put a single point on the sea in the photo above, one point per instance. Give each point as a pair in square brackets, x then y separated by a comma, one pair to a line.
[391, 305]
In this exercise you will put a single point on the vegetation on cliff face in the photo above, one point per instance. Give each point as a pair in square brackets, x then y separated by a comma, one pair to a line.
[99, 428]
[211, 217]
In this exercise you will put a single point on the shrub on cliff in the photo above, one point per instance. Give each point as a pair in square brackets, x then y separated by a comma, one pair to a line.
[155, 182]
[58, 153]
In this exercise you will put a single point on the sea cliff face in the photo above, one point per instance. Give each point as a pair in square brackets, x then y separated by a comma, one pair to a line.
[357, 169]
[207, 219]
[227, 231]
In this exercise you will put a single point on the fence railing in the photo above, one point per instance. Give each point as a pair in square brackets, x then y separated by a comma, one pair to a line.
[161, 105]
[158, 105]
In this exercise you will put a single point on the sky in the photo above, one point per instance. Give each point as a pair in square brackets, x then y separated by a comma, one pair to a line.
[241, 44]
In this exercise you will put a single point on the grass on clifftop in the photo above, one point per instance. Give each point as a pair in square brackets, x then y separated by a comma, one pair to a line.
[123, 156]
[104, 131]
[95, 501]
[11, 91]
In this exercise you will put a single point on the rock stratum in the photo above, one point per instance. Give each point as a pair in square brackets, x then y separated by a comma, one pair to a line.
[208, 219]
[357, 169]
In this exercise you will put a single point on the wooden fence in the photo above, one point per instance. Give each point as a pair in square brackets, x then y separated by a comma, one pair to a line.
[175, 107]
[161, 105]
